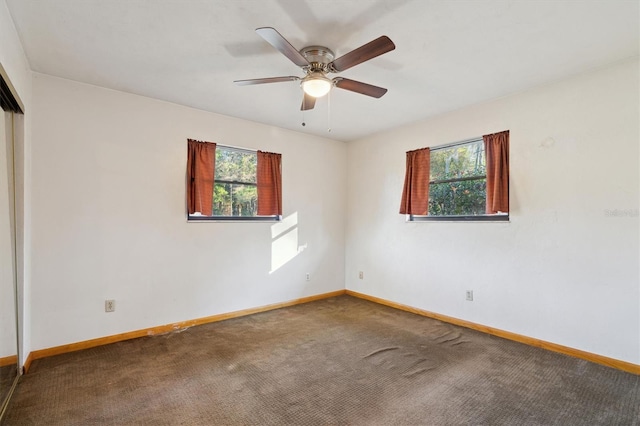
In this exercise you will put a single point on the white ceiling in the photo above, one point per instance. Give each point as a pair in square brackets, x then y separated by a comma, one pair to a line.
[449, 54]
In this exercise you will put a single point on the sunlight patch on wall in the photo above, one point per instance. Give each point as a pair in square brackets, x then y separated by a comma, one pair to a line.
[284, 245]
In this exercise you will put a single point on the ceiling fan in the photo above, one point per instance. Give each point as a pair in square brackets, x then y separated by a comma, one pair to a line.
[318, 61]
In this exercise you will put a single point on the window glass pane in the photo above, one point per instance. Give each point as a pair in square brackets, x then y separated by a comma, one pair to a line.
[230, 199]
[458, 161]
[466, 197]
[235, 165]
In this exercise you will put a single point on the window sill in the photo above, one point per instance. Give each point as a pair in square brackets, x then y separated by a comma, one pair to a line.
[476, 218]
[238, 219]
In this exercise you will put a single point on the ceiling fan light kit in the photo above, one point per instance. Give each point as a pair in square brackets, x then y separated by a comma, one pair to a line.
[316, 85]
[318, 61]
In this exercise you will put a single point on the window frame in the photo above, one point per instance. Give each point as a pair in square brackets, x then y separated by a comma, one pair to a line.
[218, 218]
[497, 217]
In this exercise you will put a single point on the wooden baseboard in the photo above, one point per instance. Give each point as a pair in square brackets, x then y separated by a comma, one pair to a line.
[8, 360]
[57, 350]
[599, 359]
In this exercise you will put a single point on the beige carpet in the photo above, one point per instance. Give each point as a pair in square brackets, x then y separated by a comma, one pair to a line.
[340, 361]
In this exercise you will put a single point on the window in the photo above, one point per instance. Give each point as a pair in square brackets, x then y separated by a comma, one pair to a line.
[235, 192]
[458, 180]
[225, 183]
[467, 180]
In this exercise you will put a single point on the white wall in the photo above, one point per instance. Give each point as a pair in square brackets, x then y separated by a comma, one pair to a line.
[12, 55]
[109, 216]
[562, 270]
[13, 60]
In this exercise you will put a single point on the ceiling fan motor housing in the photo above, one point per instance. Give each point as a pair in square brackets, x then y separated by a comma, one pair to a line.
[319, 58]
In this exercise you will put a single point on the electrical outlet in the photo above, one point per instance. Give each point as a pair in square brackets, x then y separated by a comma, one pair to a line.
[308, 276]
[109, 305]
[470, 295]
[361, 275]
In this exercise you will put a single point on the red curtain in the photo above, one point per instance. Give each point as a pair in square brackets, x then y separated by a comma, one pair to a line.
[496, 148]
[269, 182]
[201, 165]
[415, 196]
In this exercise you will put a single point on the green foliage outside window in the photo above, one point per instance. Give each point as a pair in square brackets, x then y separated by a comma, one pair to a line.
[235, 192]
[458, 180]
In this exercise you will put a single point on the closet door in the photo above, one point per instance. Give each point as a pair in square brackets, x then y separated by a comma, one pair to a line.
[8, 329]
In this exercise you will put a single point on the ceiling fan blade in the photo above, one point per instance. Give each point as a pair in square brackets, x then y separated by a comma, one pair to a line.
[359, 87]
[377, 47]
[266, 80]
[275, 39]
[308, 102]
